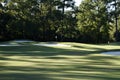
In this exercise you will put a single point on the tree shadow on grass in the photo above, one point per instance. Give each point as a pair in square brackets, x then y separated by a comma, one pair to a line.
[44, 51]
[23, 76]
[48, 63]
[89, 47]
[46, 70]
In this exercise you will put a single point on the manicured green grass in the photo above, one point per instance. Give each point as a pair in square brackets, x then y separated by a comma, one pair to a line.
[75, 62]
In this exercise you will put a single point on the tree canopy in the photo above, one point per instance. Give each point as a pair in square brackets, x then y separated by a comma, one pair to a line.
[94, 21]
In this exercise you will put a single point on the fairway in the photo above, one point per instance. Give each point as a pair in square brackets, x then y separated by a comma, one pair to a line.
[71, 61]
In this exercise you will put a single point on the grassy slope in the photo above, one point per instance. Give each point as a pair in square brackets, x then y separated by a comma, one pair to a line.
[75, 62]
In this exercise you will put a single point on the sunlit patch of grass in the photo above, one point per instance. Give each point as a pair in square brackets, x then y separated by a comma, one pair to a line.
[76, 62]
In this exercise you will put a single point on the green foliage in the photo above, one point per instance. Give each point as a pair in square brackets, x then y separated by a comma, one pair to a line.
[93, 21]
[48, 20]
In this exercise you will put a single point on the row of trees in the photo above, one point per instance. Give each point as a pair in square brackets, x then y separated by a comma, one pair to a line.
[98, 20]
[94, 21]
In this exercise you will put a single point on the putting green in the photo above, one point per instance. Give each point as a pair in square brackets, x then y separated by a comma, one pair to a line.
[74, 62]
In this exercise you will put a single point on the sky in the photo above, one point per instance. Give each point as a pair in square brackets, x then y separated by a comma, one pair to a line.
[77, 2]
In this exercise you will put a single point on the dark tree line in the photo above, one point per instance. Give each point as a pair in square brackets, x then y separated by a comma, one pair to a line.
[94, 21]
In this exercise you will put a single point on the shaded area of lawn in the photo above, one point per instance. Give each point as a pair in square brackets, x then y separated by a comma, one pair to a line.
[79, 62]
[44, 51]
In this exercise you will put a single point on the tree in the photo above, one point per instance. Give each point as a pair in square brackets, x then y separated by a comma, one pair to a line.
[116, 4]
[93, 21]
[5, 18]
[62, 5]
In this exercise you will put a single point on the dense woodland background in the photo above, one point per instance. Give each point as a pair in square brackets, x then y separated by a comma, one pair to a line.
[94, 21]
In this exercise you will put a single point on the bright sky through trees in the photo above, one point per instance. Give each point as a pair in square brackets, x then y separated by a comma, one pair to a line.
[77, 2]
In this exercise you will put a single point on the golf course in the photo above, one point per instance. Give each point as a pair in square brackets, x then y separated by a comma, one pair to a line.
[58, 61]
[59, 39]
